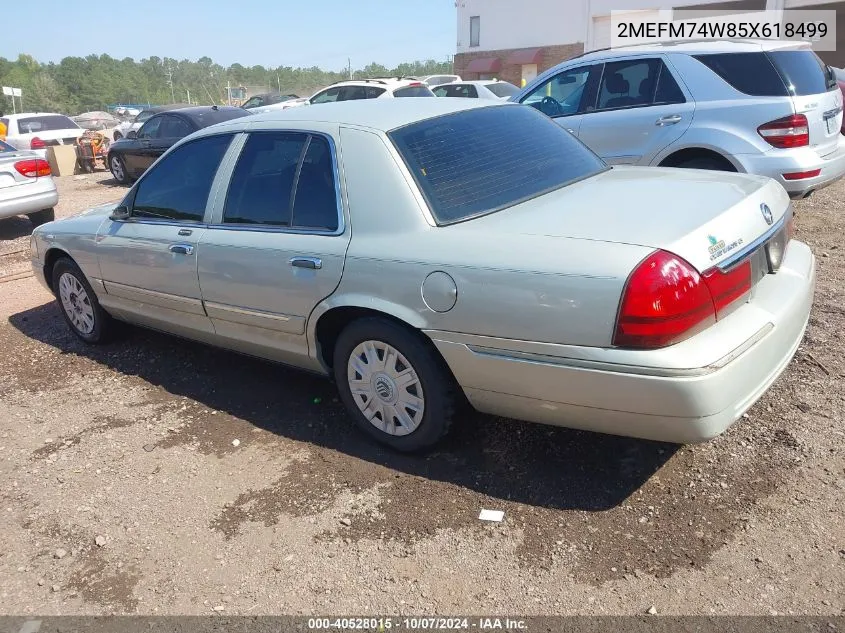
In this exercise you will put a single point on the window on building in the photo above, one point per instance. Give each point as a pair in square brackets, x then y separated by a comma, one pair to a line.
[475, 30]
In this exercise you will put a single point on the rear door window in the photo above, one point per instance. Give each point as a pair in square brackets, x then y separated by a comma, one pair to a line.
[352, 93]
[628, 84]
[262, 183]
[750, 73]
[315, 202]
[479, 161]
[174, 127]
[176, 188]
[668, 91]
[803, 72]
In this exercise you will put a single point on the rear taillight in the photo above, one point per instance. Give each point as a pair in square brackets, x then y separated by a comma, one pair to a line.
[790, 131]
[37, 143]
[666, 300]
[33, 168]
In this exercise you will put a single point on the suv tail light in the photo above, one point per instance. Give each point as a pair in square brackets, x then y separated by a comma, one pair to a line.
[37, 143]
[790, 131]
[666, 300]
[33, 168]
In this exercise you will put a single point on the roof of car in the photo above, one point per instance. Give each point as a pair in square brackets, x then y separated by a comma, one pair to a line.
[21, 115]
[368, 81]
[379, 114]
[475, 82]
[692, 47]
[166, 108]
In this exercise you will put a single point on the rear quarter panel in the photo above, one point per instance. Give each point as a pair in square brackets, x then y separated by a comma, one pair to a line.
[528, 287]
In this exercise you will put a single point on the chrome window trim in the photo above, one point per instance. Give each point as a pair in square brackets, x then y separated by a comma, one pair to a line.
[216, 219]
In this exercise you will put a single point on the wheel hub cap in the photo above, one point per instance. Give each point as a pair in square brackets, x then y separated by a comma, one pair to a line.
[386, 388]
[76, 303]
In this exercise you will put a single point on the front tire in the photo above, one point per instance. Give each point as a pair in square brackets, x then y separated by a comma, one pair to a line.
[42, 217]
[395, 386]
[118, 169]
[79, 304]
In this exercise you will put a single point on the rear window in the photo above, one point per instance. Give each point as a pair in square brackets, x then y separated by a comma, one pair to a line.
[45, 123]
[502, 89]
[751, 73]
[803, 72]
[413, 91]
[483, 160]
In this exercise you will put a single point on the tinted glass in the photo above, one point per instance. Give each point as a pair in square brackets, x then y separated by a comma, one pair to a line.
[262, 183]
[413, 91]
[802, 71]
[456, 90]
[629, 83]
[210, 116]
[750, 73]
[562, 94]
[327, 96]
[174, 127]
[150, 128]
[45, 123]
[5, 147]
[315, 200]
[668, 90]
[373, 92]
[143, 116]
[353, 93]
[177, 186]
[502, 89]
[254, 102]
[476, 162]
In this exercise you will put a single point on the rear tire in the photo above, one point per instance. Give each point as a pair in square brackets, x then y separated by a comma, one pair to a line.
[118, 169]
[396, 387]
[42, 217]
[80, 308]
[706, 162]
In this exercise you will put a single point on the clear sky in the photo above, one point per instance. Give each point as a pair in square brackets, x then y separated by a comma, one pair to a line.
[267, 32]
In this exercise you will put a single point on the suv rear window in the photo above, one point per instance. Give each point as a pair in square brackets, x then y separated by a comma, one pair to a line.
[413, 91]
[502, 89]
[45, 123]
[483, 160]
[751, 73]
[803, 72]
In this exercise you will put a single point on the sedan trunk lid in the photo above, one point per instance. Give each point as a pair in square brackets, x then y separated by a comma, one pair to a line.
[706, 217]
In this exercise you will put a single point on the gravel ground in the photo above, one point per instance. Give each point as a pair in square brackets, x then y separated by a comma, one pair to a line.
[125, 490]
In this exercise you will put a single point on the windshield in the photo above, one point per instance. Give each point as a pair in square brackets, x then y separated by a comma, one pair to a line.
[45, 123]
[143, 116]
[418, 90]
[483, 160]
[502, 89]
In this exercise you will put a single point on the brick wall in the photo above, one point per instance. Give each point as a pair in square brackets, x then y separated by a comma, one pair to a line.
[513, 73]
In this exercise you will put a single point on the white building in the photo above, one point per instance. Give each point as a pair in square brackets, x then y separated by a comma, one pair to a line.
[516, 39]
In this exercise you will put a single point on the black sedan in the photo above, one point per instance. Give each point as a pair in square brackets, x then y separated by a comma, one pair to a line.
[130, 157]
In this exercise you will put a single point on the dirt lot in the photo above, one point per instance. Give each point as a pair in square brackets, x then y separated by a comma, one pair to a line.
[122, 490]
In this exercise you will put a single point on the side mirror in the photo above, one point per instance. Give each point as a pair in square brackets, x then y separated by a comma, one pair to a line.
[132, 134]
[120, 213]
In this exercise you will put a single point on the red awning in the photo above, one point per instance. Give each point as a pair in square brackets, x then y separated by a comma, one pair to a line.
[526, 56]
[484, 65]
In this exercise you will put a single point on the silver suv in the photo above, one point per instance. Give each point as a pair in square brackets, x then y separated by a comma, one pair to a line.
[762, 107]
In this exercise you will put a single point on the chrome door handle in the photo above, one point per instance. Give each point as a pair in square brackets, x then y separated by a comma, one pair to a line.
[184, 232]
[306, 262]
[181, 249]
[668, 120]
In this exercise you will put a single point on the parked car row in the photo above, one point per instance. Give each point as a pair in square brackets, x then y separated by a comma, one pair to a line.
[364, 241]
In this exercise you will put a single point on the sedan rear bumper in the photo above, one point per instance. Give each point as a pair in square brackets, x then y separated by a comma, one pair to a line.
[30, 203]
[665, 404]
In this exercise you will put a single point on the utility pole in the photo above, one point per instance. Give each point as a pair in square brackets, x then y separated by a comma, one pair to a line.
[189, 96]
[170, 81]
[349, 66]
[228, 92]
[279, 81]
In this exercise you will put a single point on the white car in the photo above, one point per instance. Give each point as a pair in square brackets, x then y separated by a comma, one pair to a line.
[481, 89]
[377, 88]
[438, 80]
[36, 130]
[26, 185]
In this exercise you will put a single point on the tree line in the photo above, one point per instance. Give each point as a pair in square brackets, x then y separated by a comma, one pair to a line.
[82, 84]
